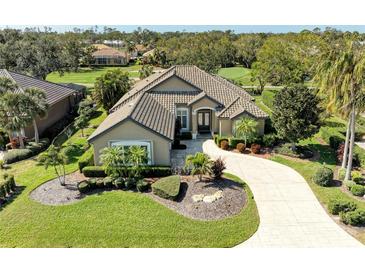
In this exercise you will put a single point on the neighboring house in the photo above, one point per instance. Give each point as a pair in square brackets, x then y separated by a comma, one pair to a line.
[107, 56]
[60, 98]
[147, 55]
[146, 115]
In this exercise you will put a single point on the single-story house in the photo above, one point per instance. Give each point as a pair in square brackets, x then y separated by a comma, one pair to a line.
[146, 115]
[108, 56]
[61, 99]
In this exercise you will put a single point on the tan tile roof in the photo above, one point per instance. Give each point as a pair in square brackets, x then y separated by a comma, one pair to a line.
[143, 110]
[54, 92]
[156, 109]
[110, 52]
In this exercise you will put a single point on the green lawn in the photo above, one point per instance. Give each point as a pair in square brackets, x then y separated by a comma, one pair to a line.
[110, 219]
[307, 169]
[87, 76]
[240, 74]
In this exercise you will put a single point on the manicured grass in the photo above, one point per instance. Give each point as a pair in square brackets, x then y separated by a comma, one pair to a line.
[261, 105]
[110, 219]
[88, 76]
[268, 98]
[307, 169]
[240, 74]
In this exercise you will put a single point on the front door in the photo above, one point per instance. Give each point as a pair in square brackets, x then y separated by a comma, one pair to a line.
[204, 121]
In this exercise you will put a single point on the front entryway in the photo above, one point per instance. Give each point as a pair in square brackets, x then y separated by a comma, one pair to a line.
[204, 121]
[178, 156]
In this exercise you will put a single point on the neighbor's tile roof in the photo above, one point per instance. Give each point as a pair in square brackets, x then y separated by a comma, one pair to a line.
[109, 52]
[143, 110]
[156, 109]
[54, 92]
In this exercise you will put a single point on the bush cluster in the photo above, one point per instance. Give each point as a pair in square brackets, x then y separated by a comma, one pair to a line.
[7, 187]
[31, 149]
[167, 188]
[357, 190]
[224, 145]
[86, 159]
[354, 218]
[146, 171]
[299, 152]
[323, 176]
[256, 148]
[337, 206]
[113, 183]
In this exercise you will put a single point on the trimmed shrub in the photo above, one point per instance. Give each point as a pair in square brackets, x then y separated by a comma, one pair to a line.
[349, 184]
[337, 206]
[356, 176]
[270, 140]
[354, 218]
[233, 142]
[146, 171]
[220, 139]
[94, 171]
[323, 176]
[241, 147]
[358, 190]
[32, 149]
[99, 183]
[142, 186]
[167, 188]
[218, 167]
[86, 159]
[256, 148]
[108, 182]
[83, 187]
[119, 183]
[92, 183]
[9, 179]
[224, 144]
[130, 183]
[335, 142]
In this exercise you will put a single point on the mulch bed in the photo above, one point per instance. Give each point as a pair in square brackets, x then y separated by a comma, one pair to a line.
[52, 193]
[234, 199]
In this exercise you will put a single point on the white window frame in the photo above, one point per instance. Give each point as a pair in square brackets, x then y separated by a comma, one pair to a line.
[147, 143]
[187, 117]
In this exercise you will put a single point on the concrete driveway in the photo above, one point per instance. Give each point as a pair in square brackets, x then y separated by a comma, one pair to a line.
[290, 214]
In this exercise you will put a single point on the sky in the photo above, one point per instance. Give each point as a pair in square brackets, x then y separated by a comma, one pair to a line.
[200, 28]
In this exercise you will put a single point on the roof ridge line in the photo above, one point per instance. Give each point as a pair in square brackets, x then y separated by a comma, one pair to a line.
[11, 77]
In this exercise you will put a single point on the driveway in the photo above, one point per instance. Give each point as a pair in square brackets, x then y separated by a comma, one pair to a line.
[290, 214]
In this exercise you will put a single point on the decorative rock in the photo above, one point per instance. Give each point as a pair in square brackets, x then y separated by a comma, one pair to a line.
[198, 198]
[209, 199]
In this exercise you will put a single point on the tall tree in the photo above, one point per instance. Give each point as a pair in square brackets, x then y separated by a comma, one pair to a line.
[341, 78]
[37, 107]
[13, 114]
[110, 87]
[296, 113]
[247, 46]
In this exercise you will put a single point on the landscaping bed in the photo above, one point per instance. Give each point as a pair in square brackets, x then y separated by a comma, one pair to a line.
[233, 198]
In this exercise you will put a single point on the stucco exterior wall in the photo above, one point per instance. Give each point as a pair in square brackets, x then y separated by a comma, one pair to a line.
[55, 113]
[174, 84]
[226, 125]
[131, 131]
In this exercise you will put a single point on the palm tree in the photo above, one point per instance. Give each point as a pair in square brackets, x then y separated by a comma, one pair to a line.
[55, 158]
[245, 128]
[200, 163]
[113, 159]
[13, 114]
[137, 156]
[6, 85]
[341, 80]
[37, 108]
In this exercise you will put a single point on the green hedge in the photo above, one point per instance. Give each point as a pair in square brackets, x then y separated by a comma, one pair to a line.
[354, 218]
[146, 171]
[337, 206]
[86, 159]
[31, 149]
[167, 188]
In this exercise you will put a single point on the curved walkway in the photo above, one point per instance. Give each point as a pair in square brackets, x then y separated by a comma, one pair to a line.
[290, 214]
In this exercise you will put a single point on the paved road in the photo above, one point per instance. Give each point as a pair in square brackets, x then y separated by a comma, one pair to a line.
[290, 214]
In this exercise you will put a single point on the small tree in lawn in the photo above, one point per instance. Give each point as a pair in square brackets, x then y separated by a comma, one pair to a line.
[137, 157]
[114, 160]
[199, 163]
[53, 157]
[81, 122]
[296, 113]
[245, 128]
